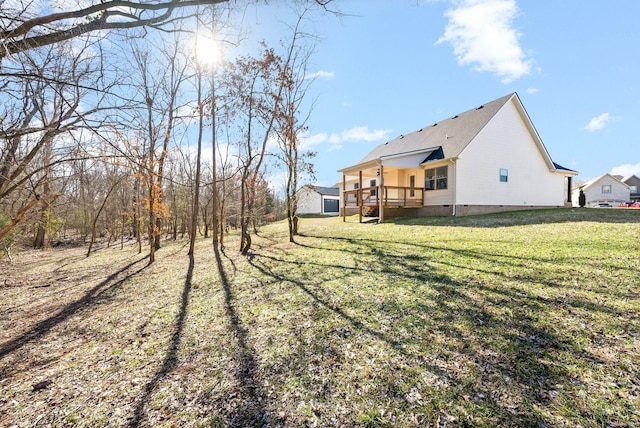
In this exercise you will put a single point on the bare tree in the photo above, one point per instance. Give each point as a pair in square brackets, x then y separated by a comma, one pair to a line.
[159, 80]
[196, 190]
[42, 117]
[290, 123]
[53, 87]
[112, 187]
[254, 96]
[24, 27]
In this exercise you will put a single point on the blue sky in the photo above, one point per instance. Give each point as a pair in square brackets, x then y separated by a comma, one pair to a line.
[389, 67]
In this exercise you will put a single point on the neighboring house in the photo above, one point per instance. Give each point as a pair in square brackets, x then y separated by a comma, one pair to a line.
[634, 187]
[487, 159]
[319, 200]
[604, 190]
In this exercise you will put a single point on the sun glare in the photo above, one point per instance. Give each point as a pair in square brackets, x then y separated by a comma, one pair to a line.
[207, 51]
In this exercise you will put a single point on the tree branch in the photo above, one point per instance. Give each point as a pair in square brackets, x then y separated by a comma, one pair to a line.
[15, 40]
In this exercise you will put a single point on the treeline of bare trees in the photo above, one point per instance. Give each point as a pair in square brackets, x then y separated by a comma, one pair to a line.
[106, 139]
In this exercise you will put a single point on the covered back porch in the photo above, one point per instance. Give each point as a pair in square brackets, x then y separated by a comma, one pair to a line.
[378, 187]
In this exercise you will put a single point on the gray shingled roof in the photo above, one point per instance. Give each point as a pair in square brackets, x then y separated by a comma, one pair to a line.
[452, 134]
[327, 191]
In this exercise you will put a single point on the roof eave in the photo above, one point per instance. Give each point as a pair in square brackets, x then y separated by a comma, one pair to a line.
[534, 132]
[410, 153]
[350, 170]
[452, 159]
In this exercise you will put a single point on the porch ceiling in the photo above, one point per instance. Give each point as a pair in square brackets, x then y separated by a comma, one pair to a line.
[405, 160]
[370, 172]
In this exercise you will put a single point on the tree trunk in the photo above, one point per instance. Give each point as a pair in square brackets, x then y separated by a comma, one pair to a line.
[95, 219]
[19, 216]
[245, 238]
[45, 214]
[196, 196]
[39, 240]
[152, 224]
[215, 219]
[290, 221]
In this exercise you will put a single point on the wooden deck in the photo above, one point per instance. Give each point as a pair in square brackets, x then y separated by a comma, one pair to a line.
[392, 196]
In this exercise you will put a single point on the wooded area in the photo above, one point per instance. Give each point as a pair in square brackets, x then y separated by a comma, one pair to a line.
[105, 114]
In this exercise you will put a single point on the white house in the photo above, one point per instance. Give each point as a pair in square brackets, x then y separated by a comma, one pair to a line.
[604, 190]
[319, 200]
[487, 159]
[633, 182]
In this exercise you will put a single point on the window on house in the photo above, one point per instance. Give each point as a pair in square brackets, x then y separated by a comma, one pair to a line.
[356, 186]
[436, 178]
[372, 183]
[504, 175]
[634, 189]
[606, 188]
[412, 184]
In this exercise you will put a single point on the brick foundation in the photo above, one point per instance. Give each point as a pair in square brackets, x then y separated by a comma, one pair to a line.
[447, 210]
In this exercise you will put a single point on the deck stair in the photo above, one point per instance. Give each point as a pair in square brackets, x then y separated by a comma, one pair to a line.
[370, 211]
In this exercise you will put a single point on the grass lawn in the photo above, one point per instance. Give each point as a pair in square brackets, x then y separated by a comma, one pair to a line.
[517, 319]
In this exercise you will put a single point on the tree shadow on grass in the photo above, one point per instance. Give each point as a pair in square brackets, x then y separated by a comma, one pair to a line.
[414, 254]
[171, 357]
[318, 299]
[510, 368]
[321, 297]
[248, 402]
[92, 296]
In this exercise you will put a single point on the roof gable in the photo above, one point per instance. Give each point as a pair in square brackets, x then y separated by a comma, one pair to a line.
[326, 191]
[600, 178]
[449, 136]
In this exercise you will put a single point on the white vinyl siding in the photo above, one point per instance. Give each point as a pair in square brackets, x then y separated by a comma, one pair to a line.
[312, 202]
[309, 201]
[506, 143]
[606, 189]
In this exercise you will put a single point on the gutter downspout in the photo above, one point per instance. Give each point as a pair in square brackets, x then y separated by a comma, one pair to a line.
[344, 198]
[359, 198]
[455, 186]
[381, 194]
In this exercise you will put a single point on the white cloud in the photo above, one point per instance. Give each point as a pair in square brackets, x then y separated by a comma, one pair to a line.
[626, 170]
[532, 90]
[599, 123]
[482, 35]
[321, 73]
[308, 141]
[360, 133]
[353, 135]
[277, 182]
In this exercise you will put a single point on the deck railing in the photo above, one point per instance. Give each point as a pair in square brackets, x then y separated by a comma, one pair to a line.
[392, 196]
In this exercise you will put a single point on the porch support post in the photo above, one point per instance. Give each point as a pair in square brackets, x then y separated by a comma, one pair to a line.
[569, 185]
[359, 195]
[381, 194]
[344, 198]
